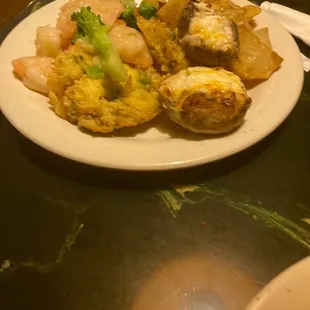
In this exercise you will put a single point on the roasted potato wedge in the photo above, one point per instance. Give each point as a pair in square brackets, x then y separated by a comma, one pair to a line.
[256, 60]
[170, 12]
[263, 35]
[250, 11]
[238, 14]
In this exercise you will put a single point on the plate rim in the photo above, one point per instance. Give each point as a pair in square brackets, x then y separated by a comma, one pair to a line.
[280, 282]
[198, 161]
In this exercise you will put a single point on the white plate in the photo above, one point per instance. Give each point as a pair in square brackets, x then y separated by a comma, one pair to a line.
[145, 148]
[288, 291]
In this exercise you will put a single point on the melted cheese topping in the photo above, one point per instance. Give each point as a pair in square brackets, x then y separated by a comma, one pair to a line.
[202, 79]
[215, 31]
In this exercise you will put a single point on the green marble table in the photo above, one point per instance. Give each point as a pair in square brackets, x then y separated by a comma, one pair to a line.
[79, 237]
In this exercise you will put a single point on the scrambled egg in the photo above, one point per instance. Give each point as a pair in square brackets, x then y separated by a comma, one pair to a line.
[164, 45]
[100, 105]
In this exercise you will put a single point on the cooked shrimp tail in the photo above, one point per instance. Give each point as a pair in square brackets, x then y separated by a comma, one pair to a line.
[48, 41]
[109, 11]
[34, 72]
[131, 45]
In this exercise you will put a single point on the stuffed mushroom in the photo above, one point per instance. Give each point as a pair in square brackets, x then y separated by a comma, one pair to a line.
[205, 100]
[207, 38]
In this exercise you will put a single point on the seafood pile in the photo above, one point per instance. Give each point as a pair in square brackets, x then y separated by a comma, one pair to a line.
[108, 64]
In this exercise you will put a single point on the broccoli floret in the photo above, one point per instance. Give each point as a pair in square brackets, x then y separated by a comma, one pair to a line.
[95, 72]
[129, 17]
[146, 10]
[92, 30]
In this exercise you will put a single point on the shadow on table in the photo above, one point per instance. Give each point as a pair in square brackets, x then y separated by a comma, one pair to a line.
[162, 123]
[95, 176]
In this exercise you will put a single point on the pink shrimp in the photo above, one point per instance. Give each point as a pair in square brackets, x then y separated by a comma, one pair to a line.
[131, 45]
[48, 41]
[109, 10]
[34, 72]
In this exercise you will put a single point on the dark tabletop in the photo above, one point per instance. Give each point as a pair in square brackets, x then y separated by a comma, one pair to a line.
[79, 237]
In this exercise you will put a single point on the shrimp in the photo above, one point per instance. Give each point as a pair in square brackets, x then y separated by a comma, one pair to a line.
[34, 72]
[130, 45]
[109, 11]
[48, 41]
